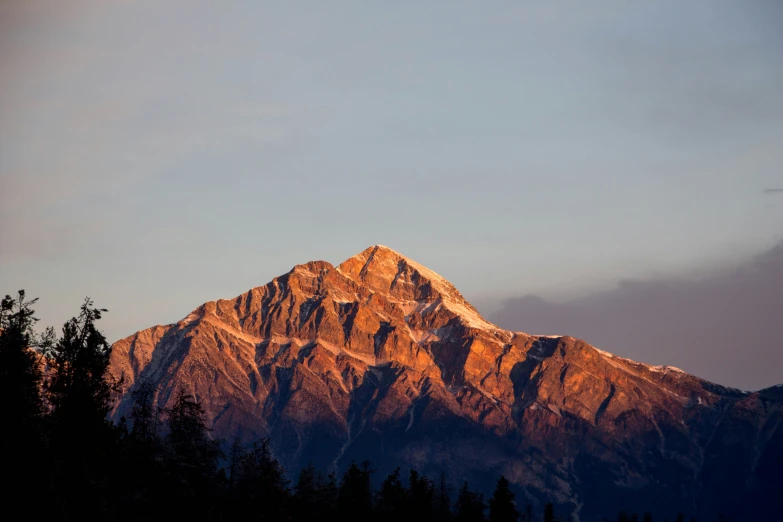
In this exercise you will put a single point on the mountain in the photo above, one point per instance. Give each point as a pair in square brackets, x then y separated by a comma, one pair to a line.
[382, 358]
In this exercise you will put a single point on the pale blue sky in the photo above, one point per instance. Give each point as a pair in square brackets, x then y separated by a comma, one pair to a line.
[158, 154]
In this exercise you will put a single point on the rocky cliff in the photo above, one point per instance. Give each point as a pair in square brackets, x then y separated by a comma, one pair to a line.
[382, 358]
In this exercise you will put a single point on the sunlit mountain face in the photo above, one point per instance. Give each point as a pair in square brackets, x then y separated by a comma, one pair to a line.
[381, 358]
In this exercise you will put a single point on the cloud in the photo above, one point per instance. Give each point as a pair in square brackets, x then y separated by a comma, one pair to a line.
[773, 190]
[725, 327]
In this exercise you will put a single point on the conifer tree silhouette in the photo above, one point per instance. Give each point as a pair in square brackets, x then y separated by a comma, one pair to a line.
[502, 507]
[421, 496]
[469, 506]
[354, 501]
[21, 404]
[261, 483]
[20, 371]
[82, 440]
[442, 507]
[392, 498]
[141, 484]
[314, 496]
[191, 459]
[549, 512]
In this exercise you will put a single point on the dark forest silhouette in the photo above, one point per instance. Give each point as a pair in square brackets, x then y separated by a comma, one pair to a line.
[63, 458]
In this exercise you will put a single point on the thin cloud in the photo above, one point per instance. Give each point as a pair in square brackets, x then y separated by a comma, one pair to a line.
[724, 327]
[773, 190]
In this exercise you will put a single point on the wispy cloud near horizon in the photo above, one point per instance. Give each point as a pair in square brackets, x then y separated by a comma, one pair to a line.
[725, 326]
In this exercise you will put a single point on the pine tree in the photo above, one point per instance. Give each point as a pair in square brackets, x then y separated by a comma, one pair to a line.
[262, 485]
[328, 497]
[392, 498]
[442, 507]
[470, 506]
[191, 461]
[549, 512]
[354, 501]
[82, 439]
[144, 414]
[502, 507]
[141, 484]
[421, 494]
[21, 404]
[528, 516]
[306, 505]
[235, 455]
[314, 496]
[20, 369]
[80, 390]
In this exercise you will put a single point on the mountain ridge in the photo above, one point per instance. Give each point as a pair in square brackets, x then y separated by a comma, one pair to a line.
[381, 357]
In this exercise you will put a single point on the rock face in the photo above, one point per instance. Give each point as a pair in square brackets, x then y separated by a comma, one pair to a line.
[382, 358]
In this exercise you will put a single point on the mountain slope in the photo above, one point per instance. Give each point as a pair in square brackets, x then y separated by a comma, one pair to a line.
[382, 358]
[729, 319]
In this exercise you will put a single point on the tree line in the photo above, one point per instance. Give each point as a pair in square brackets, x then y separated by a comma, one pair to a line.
[64, 458]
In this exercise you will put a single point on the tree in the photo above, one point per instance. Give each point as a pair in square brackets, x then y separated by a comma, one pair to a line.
[314, 495]
[188, 441]
[80, 391]
[470, 506]
[354, 501]
[328, 497]
[549, 512]
[235, 455]
[421, 496]
[82, 439]
[442, 507]
[392, 497]
[20, 370]
[144, 414]
[191, 460]
[502, 507]
[20, 398]
[261, 485]
[141, 485]
[528, 516]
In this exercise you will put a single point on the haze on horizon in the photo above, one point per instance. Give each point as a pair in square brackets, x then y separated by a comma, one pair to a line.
[157, 155]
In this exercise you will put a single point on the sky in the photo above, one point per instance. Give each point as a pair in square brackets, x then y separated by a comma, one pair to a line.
[155, 155]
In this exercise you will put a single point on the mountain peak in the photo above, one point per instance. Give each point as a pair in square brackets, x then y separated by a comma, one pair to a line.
[380, 268]
[399, 277]
[380, 253]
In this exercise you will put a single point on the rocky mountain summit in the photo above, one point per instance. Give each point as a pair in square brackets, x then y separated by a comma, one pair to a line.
[382, 358]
